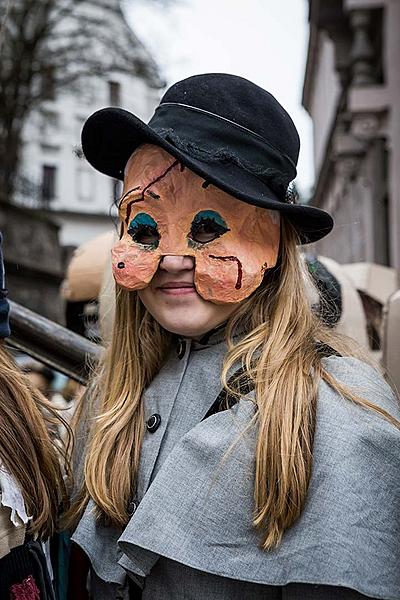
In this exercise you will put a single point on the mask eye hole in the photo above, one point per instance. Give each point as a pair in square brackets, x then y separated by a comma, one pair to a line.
[207, 226]
[143, 230]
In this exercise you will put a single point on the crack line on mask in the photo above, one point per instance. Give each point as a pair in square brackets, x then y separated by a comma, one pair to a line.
[239, 266]
[156, 180]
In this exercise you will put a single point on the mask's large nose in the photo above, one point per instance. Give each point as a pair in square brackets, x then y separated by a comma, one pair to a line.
[176, 264]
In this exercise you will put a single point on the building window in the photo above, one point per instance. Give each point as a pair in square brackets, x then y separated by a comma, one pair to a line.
[114, 92]
[49, 119]
[48, 83]
[48, 183]
[49, 125]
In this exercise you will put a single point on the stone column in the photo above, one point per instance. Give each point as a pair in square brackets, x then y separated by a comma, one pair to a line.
[392, 67]
[362, 51]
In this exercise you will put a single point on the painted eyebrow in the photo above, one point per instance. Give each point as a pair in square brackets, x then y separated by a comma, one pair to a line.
[127, 194]
[145, 191]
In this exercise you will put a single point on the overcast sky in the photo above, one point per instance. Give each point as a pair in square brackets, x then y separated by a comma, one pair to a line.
[262, 40]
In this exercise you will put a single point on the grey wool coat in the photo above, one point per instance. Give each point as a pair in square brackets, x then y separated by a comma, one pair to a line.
[191, 535]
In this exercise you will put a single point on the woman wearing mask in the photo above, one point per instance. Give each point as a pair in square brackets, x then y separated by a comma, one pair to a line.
[234, 446]
[31, 479]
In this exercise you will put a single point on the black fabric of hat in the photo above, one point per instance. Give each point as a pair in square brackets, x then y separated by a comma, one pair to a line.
[224, 128]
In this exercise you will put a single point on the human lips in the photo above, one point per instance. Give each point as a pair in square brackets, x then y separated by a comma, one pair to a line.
[176, 288]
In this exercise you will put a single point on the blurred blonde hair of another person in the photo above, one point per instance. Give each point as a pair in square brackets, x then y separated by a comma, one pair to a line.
[107, 304]
[27, 452]
[32, 465]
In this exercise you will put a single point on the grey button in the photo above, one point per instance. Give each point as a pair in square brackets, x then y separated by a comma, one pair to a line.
[153, 423]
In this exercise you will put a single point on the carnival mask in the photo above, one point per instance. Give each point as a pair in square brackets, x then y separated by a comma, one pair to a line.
[166, 209]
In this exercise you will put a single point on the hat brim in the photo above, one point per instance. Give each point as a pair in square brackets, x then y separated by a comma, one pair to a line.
[111, 135]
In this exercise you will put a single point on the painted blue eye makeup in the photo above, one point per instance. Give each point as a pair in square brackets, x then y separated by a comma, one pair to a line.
[143, 230]
[207, 226]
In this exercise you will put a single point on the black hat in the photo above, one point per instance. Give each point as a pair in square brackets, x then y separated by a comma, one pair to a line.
[224, 128]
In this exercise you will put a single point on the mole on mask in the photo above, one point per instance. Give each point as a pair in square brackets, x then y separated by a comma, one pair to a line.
[166, 209]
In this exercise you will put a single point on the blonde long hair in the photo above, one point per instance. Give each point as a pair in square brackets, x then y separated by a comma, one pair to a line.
[279, 355]
[28, 451]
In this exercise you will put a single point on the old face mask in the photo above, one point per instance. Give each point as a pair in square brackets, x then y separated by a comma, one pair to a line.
[166, 209]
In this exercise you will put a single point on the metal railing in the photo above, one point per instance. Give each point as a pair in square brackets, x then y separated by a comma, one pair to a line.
[54, 345]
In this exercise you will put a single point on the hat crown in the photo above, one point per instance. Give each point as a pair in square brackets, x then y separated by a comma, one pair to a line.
[241, 101]
[227, 130]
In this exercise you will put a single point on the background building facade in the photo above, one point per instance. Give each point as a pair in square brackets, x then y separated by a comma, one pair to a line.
[352, 92]
[54, 175]
[60, 201]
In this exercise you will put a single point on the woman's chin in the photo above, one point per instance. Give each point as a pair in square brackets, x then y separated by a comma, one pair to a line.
[185, 315]
[190, 328]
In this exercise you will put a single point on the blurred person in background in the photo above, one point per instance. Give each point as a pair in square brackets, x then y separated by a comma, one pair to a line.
[232, 445]
[68, 397]
[40, 376]
[32, 487]
[62, 391]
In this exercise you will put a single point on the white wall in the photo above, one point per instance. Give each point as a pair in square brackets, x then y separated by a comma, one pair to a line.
[80, 228]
